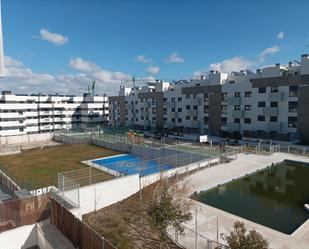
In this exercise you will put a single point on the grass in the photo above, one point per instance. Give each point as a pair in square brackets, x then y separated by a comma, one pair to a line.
[36, 168]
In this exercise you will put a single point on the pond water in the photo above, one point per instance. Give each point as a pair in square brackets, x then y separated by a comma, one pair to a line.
[273, 197]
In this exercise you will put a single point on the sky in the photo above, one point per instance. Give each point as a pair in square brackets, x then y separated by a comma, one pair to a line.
[60, 46]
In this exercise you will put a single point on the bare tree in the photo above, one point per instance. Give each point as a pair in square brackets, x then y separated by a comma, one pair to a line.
[169, 208]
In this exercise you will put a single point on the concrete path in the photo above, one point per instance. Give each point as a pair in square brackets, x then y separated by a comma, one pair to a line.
[50, 237]
[207, 216]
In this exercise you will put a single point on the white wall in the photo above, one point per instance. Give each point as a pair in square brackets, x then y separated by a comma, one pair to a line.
[30, 138]
[19, 238]
[103, 194]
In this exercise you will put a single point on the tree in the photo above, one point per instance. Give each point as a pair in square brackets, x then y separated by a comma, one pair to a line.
[168, 208]
[239, 238]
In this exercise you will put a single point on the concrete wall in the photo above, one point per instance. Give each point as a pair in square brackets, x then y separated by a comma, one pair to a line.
[19, 238]
[103, 194]
[30, 138]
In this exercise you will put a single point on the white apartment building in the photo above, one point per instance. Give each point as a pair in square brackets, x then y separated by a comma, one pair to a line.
[27, 114]
[270, 103]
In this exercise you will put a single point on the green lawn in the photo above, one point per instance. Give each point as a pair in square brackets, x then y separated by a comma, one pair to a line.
[38, 168]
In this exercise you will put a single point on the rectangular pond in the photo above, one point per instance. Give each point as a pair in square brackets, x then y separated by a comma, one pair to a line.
[273, 197]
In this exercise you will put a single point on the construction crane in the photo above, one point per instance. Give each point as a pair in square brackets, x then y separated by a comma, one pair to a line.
[133, 81]
[88, 88]
[93, 85]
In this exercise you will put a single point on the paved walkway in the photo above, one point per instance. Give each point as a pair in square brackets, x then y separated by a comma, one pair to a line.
[53, 237]
[207, 215]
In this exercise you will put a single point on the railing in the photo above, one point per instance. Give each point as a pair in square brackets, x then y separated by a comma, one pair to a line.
[191, 239]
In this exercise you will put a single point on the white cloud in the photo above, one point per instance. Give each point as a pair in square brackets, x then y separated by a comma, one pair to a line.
[143, 59]
[153, 70]
[54, 38]
[238, 63]
[21, 79]
[175, 58]
[280, 35]
[268, 51]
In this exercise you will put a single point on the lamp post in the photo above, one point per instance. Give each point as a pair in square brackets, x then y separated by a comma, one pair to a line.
[218, 228]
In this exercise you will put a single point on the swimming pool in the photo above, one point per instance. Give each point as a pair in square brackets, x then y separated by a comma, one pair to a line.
[129, 164]
[273, 197]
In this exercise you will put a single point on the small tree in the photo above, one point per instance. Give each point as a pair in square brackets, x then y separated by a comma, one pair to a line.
[239, 238]
[169, 208]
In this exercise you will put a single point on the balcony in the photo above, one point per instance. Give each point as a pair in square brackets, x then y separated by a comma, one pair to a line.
[195, 124]
[238, 114]
[233, 127]
[234, 100]
[192, 112]
[171, 104]
[270, 111]
[274, 126]
[278, 97]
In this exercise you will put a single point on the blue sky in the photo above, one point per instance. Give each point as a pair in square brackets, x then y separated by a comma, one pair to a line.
[68, 43]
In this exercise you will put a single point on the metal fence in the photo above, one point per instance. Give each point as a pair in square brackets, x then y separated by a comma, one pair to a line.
[68, 190]
[191, 239]
[79, 233]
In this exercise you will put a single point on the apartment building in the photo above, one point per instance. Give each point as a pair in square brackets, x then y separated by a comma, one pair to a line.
[27, 114]
[270, 103]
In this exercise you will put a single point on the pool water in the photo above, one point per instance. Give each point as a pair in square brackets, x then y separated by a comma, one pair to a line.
[273, 197]
[129, 164]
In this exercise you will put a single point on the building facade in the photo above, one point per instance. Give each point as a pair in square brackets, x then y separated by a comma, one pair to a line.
[270, 103]
[29, 114]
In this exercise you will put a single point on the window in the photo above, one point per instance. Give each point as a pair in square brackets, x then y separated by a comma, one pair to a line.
[179, 99]
[173, 120]
[173, 99]
[224, 108]
[247, 107]
[247, 120]
[273, 119]
[195, 107]
[205, 120]
[248, 94]
[261, 104]
[187, 95]
[292, 106]
[173, 109]
[179, 120]
[236, 120]
[187, 117]
[292, 122]
[274, 89]
[223, 121]
[261, 118]
[237, 94]
[206, 96]
[293, 91]
[179, 109]
[206, 108]
[232, 82]
[195, 118]
[237, 107]
[224, 97]
[273, 104]
[188, 107]
[262, 89]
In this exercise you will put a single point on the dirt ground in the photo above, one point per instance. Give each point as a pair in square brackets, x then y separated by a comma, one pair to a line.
[121, 223]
